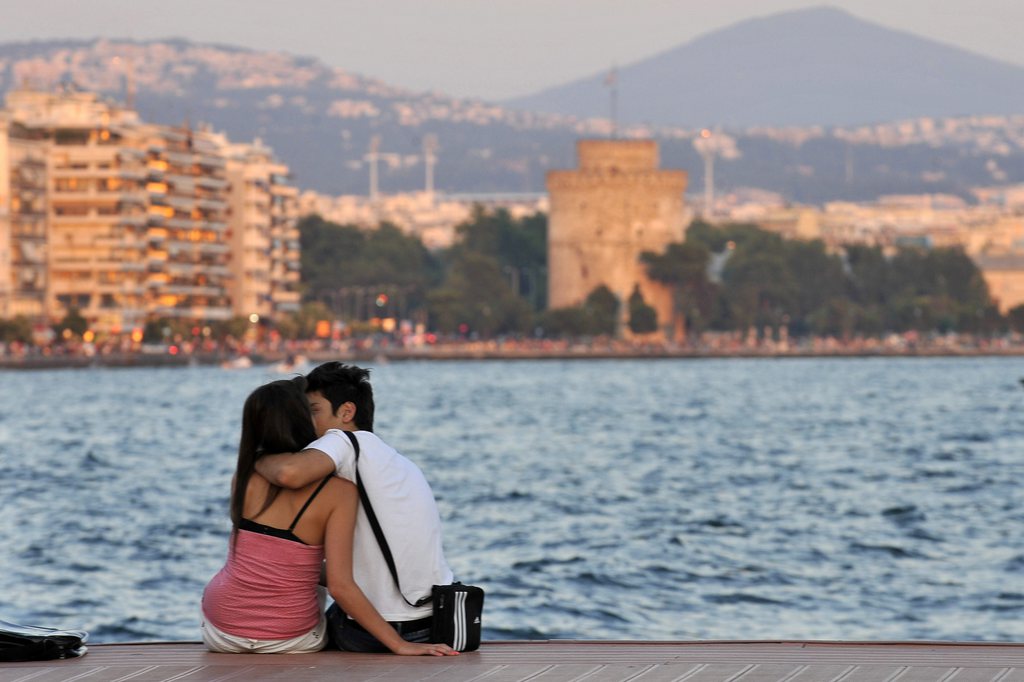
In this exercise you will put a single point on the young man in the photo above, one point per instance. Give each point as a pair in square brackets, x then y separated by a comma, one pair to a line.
[341, 399]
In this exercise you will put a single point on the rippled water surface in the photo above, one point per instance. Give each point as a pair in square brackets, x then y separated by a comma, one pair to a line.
[731, 499]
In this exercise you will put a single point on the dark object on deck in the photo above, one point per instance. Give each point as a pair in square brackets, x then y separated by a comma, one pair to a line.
[29, 643]
[458, 609]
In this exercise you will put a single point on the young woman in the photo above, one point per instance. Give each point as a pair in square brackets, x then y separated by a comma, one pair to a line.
[266, 598]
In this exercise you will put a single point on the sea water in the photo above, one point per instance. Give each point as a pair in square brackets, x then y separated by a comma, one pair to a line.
[625, 499]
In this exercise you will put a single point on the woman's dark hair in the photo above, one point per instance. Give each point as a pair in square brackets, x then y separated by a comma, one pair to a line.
[275, 419]
[339, 384]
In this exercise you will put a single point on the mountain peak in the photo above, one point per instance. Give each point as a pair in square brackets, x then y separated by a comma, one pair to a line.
[815, 66]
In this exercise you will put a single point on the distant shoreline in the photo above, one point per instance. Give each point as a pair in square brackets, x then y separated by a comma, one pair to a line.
[42, 362]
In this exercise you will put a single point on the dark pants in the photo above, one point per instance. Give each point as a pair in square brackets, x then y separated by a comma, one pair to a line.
[348, 635]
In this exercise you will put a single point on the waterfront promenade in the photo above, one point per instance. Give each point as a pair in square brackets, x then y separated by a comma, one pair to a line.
[491, 350]
[556, 661]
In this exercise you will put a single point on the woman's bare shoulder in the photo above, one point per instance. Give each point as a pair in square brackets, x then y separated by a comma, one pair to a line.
[339, 488]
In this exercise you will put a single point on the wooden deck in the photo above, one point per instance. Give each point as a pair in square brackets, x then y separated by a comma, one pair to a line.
[551, 661]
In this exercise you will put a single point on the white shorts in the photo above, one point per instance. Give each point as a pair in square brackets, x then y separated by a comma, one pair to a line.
[221, 642]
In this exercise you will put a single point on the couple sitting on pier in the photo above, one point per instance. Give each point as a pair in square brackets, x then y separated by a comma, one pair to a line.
[294, 502]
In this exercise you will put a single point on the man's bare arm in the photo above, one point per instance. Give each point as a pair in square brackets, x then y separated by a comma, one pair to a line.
[295, 470]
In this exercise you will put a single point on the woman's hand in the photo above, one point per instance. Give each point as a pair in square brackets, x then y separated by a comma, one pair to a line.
[415, 649]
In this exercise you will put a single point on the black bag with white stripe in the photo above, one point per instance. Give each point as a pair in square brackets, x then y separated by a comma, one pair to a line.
[457, 612]
[30, 643]
[458, 608]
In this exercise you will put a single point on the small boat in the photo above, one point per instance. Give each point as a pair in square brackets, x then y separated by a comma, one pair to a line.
[293, 363]
[241, 362]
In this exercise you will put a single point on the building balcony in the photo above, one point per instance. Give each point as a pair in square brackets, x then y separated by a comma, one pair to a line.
[201, 247]
[132, 220]
[86, 219]
[212, 204]
[180, 223]
[136, 174]
[192, 290]
[194, 312]
[211, 182]
[180, 203]
[137, 197]
[184, 269]
[66, 173]
[130, 154]
[211, 161]
[64, 196]
[287, 295]
[180, 179]
[180, 159]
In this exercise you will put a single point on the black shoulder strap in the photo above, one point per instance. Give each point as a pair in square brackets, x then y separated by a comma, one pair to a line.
[309, 501]
[375, 524]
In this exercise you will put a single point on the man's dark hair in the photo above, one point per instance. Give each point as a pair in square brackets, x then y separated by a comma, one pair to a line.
[339, 384]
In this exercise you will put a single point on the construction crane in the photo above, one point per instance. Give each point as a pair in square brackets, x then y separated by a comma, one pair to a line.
[430, 148]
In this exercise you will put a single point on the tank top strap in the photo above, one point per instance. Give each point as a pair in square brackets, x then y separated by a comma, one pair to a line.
[308, 502]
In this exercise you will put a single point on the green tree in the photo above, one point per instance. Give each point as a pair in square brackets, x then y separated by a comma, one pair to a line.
[820, 284]
[18, 328]
[868, 277]
[602, 311]
[302, 324]
[758, 284]
[643, 319]
[1015, 318]
[72, 322]
[597, 316]
[684, 268]
[477, 293]
[518, 245]
[565, 322]
[347, 268]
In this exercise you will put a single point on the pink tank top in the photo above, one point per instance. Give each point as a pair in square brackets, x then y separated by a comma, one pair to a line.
[267, 588]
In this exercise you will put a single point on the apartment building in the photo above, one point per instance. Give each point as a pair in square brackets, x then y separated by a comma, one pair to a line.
[264, 234]
[127, 222]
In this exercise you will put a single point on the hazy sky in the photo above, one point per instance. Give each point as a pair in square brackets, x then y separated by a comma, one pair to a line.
[484, 48]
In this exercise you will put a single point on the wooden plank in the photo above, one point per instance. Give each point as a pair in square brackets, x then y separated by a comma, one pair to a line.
[513, 673]
[469, 672]
[769, 673]
[657, 672]
[1013, 675]
[207, 673]
[65, 673]
[570, 672]
[978, 674]
[9, 674]
[157, 673]
[872, 673]
[716, 673]
[821, 673]
[926, 674]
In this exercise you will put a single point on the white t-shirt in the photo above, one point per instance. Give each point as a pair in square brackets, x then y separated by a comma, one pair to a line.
[407, 512]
